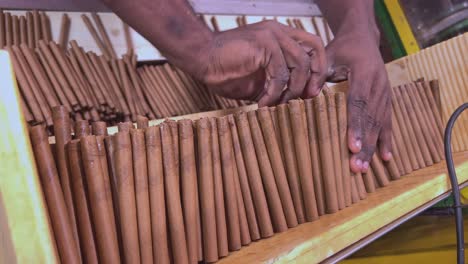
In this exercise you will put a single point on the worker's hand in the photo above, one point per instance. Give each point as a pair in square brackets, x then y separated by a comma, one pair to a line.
[356, 57]
[258, 61]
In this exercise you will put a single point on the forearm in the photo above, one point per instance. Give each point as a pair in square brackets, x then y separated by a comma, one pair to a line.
[350, 16]
[170, 25]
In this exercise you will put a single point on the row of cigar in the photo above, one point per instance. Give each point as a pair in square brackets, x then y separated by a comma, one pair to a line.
[188, 191]
[94, 88]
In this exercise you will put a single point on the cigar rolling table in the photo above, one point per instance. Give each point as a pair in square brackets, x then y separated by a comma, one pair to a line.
[25, 232]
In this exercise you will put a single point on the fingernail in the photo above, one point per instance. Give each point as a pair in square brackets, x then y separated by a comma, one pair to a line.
[365, 165]
[387, 156]
[359, 163]
[358, 144]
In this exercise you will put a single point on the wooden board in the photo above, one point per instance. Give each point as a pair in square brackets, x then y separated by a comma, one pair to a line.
[25, 234]
[316, 241]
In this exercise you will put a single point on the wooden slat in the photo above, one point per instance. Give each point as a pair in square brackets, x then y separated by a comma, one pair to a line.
[24, 226]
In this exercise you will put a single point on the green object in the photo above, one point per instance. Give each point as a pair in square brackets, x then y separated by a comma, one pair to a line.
[389, 30]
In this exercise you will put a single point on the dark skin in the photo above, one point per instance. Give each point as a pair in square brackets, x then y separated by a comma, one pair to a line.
[272, 63]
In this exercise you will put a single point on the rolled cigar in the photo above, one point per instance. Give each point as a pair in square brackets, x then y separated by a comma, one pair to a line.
[61, 224]
[432, 140]
[266, 171]
[95, 36]
[254, 176]
[435, 91]
[360, 185]
[392, 168]
[23, 30]
[115, 85]
[273, 151]
[157, 195]
[397, 156]
[109, 97]
[315, 155]
[150, 95]
[44, 27]
[379, 171]
[400, 125]
[286, 134]
[2, 29]
[142, 122]
[126, 87]
[354, 191]
[170, 93]
[37, 26]
[104, 35]
[221, 227]
[182, 93]
[232, 212]
[82, 82]
[30, 27]
[299, 131]
[189, 187]
[175, 141]
[44, 49]
[274, 118]
[128, 38]
[403, 149]
[432, 113]
[208, 209]
[82, 129]
[26, 112]
[125, 126]
[40, 75]
[127, 200]
[15, 29]
[173, 202]
[64, 31]
[8, 30]
[140, 171]
[164, 105]
[432, 102]
[331, 199]
[26, 89]
[369, 181]
[331, 111]
[136, 84]
[83, 218]
[62, 132]
[423, 145]
[340, 101]
[67, 70]
[99, 128]
[32, 82]
[244, 182]
[106, 240]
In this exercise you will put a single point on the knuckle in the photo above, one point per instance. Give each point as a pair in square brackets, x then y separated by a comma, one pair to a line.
[358, 102]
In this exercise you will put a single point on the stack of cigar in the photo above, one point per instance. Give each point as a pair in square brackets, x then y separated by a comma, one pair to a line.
[188, 191]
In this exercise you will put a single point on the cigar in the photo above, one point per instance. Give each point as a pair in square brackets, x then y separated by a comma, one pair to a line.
[30, 27]
[125, 126]
[403, 149]
[140, 171]
[45, 31]
[170, 93]
[175, 141]
[228, 162]
[183, 94]
[286, 135]
[64, 31]
[158, 109]
[26, 89]
[340, 101]
[274, 155]
[432, 114]
[136, 84]
[157, 196]
[221, 227]
[244, 183]
[103, 84]
[421, 142]
[28, 117]
[433, 105]
[15, 29]
[274, 118]
[106, 240]
[164, 105]
[214, 23]
[354, 191]
[379, 171]
[330, 190]
[37, 26]
[32, 83]
[189, 187]
[44, 49]
[104, 35]
[115, 85]
[208, 211]
[83, 218]
[331, 110]
[95, 36]
[406, 128]
[62, 132]
[299, 131]
[360, 185]
[82, 129]
[23, 30]
[126, 87]
[61, 224]
[128, 38]
[369, 181]
[127, 200]
[392, 168]
[8, 30]
[142, 122]
[99, 128]
[254, 177]
[2, 29]
[88, 92]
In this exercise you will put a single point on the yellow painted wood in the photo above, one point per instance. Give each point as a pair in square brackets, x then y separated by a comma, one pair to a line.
[316, 241]
[25, 235]
[402, 26]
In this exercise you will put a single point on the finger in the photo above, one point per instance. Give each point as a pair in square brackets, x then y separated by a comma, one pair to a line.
[277, 73]
[372, 129]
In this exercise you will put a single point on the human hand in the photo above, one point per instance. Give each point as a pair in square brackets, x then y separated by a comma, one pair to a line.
[257, 61]
[356, 57]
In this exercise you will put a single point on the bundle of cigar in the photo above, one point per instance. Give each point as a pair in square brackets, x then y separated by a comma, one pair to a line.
[188, 191]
